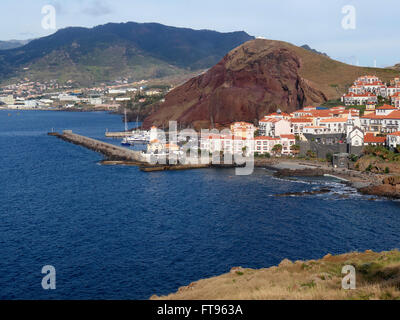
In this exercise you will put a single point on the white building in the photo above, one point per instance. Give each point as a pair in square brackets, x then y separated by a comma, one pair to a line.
[393, 139]
[315, 130]
[273, 127]
[384, 110]
[95, 101]
[117, 91]
[298, 125]
[359, 99]
[67, 97]
[356, 137]
[226, 143]
[9, 99]
[334, 125]
[243, 129]
[31, 104]
[263, 144]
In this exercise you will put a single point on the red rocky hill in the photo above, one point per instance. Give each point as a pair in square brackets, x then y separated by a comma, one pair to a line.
[254, 79]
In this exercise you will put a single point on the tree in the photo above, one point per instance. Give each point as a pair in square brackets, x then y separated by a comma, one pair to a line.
[277, 149]
[295, 149]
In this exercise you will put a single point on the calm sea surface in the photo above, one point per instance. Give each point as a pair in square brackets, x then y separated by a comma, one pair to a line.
[113, 232]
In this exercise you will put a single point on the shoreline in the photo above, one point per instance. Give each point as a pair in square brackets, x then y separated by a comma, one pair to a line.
[367, 183]
[285, 167]
[319, 279]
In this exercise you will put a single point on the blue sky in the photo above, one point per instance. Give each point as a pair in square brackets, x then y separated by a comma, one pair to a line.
[313, 22]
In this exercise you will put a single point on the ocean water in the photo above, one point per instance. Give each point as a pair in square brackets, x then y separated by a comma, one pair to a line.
[113, 232]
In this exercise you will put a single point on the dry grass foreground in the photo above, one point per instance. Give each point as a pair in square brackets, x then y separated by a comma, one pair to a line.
[377, 277]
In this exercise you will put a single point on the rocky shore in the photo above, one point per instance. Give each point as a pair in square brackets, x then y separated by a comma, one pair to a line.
[368, 183]
[389, 188]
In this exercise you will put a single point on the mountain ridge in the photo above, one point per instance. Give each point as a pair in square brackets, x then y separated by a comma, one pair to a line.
[101, 53]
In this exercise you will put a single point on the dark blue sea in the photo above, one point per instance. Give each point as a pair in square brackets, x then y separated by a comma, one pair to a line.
[113, 232]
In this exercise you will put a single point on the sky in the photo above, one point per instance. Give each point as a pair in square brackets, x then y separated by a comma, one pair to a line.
[368, 35]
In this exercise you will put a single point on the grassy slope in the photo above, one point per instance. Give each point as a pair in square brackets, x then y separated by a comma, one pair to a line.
[99, 66]
[377, 276]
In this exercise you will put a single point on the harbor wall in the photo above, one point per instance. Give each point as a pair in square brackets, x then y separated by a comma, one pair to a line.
[111, 151]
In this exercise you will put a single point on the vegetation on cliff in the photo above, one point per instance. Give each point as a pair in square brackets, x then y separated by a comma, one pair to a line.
[377, 277]
[378, 159]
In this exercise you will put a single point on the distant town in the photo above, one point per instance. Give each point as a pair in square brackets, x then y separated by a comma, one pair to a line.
[50, 95]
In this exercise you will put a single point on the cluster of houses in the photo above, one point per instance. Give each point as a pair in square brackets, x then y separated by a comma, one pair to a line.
[37, 95]
[317, 128]
[241, 137]
[337, 130]
[367, 89]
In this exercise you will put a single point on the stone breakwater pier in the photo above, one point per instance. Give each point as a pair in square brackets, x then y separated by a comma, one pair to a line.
[118, 155]
[112, 152]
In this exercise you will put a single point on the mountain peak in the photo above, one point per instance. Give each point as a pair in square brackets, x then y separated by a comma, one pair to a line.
[132, 50]
[254, 79]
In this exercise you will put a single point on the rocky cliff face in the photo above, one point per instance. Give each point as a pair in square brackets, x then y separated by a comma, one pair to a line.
[251, 81]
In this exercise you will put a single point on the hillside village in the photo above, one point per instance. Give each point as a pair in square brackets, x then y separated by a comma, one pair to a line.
[318, 131]
[370, 115]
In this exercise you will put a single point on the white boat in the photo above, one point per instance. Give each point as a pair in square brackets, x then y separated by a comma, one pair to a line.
[126, 142]
[136, 137]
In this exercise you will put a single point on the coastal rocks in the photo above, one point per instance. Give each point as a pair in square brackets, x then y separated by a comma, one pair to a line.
[237, 270]
[392, 180]
[285, 263]
[390, 188]
[304, 193]
[384, 190]
[308, 172]
[187, 288]
[377, 165]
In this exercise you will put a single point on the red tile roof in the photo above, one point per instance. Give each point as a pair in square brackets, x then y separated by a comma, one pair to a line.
[334, 120]
[288, 136]
[393, 115]
[265, 138]
[300, 120]
[387, 107]
[370, 138]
